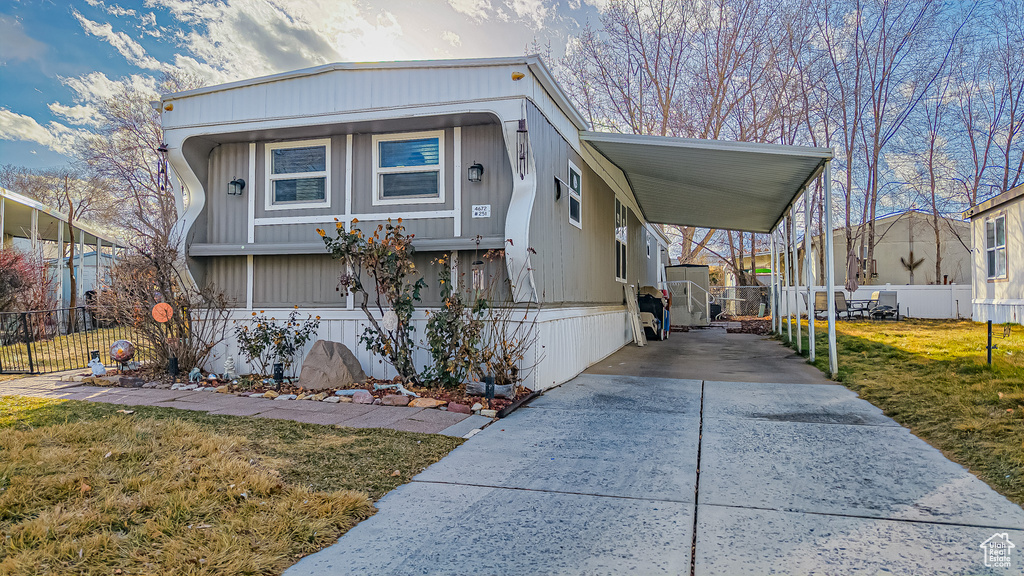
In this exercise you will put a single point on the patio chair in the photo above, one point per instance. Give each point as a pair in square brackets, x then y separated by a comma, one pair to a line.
[821, 306]
[884, 305]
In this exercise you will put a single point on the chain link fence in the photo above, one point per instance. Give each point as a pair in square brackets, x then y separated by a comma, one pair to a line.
[735, 301]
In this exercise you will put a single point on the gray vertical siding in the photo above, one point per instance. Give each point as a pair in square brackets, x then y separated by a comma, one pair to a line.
[227, 274]
[230, 225]
[485, 144]
[572, 266]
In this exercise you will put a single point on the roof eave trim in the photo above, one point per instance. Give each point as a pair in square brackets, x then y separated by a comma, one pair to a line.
[698, 144]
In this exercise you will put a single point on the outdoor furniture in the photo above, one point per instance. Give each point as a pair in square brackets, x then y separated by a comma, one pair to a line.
[842, 308]
[884, 305]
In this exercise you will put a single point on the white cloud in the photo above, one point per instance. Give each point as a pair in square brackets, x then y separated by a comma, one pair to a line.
[451, 38]
[531, 9]
[15, 45]
[55, 136]
[476, 9]
[123, 43]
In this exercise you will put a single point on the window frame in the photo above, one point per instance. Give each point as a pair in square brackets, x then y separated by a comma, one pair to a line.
[269, 177]
[376, 197]
[575, 194]
[621, 240]
[996, 248]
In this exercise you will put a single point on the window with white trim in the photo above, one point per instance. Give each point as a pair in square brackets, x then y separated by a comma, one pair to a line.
[995, 246]
[408, 168]
[298, 174]
[575, 196]
[621, 231]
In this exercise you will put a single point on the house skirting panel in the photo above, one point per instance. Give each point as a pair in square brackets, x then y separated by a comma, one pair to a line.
[998, 311]
[568, 340]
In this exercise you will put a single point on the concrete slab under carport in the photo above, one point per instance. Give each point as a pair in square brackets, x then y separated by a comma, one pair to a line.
[712, 354]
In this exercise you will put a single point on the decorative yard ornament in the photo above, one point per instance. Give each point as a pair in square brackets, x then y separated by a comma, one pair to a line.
[97, 367]
[390, 321]
[196, 375]
[229, 368]
[162, 312]
[122, 351]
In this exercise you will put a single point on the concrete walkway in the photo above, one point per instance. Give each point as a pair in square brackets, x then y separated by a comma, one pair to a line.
[624, 470]
[431, 421]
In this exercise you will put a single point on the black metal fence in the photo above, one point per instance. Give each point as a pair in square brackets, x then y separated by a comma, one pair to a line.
[63, 339]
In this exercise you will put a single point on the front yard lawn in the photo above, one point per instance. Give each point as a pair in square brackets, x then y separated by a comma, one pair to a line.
[85, 489]
[932, 377]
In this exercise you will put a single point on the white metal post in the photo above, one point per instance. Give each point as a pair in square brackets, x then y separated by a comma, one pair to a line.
[771, 280]
[80, 274]
[833, 360]
[60, 263]
[786, 279]
[809, 276]
[796, 280]
[96, 280]
[3, 205]
[35, 233]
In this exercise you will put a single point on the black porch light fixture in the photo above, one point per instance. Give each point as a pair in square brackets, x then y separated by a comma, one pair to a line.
[476, 172]
[235, 187]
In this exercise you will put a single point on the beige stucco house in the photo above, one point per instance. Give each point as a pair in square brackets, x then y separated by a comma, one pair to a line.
[997, 226]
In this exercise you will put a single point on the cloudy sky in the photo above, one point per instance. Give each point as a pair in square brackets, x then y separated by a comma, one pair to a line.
[58, 58]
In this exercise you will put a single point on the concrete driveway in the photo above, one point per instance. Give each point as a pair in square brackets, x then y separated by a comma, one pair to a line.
[624, 470]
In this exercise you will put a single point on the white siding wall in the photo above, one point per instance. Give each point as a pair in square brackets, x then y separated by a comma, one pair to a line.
[569, 340]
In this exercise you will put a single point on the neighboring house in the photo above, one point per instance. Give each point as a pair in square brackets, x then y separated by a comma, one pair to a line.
[390, 140]
[896, 236]
[40, 230]
[997, 226]
[86, 274]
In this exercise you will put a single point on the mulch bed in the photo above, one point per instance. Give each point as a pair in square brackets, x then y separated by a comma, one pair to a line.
[751, 325]
[240, 386]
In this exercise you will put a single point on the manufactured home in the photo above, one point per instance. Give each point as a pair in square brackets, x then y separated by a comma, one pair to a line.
[997, 226]
[473, 155]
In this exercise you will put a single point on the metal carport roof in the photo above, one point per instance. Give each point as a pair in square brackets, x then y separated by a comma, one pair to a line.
[711, 183]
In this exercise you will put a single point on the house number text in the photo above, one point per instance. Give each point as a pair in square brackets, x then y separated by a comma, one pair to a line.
[481, 211]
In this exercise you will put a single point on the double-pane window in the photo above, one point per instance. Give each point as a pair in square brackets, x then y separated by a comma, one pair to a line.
[995, 246]
[575, 196]
[298, 174]
[409, 168]
[621, 233]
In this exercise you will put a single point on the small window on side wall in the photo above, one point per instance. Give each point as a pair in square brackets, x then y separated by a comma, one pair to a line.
[298, 174]
[995, 247]
[621, 240]
[408, 168]
[575, 196]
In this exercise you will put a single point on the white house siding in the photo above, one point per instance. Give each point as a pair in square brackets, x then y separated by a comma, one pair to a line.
[1000, 300]
[568, 340]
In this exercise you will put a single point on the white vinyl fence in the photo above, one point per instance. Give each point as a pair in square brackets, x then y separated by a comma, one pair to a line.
[920, 301]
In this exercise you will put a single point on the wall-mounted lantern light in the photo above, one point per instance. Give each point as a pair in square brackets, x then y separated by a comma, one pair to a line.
[478, 275]
[476, 172]
[235, 187]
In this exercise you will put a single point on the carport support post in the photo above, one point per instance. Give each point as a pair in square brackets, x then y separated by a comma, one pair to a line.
[789, 277]
[830, 274]
[808, 276]
[775, 298]
[796, 280]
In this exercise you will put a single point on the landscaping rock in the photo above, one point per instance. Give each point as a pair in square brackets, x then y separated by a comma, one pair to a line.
[222, 389]
[477, 406]
[189, 387]
[286, 397]
[176, 386]
[207, 389]
[426, 403]
[332, 399]
[319, 396]
[362, 397]
[150, 385]
[460, 408]
[330, 365]
[489, 413]
[270, 394]
[395, 400]
[500, 390]
[344, 399]
[302, 396]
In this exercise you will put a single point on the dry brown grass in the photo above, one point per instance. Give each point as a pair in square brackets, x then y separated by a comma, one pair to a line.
[85, 490]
